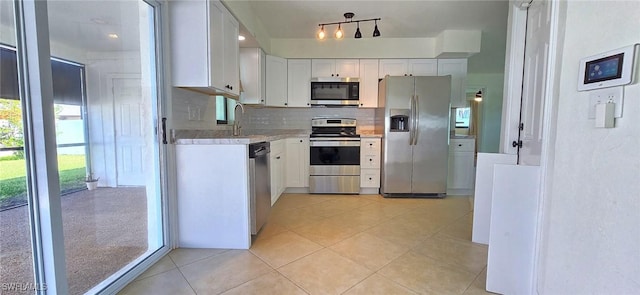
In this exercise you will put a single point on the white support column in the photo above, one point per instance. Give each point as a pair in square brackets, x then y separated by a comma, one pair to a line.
[40, 146]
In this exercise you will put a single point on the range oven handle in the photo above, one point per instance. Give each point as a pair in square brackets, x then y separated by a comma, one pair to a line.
[319, 143]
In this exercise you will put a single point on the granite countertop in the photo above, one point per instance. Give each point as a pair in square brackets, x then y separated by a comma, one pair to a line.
[226, 137]
[247, 136]
[370, 134]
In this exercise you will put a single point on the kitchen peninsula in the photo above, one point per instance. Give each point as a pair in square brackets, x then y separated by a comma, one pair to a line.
[213, 186]
[213, 183]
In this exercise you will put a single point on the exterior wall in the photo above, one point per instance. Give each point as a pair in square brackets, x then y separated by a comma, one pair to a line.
[590, 235]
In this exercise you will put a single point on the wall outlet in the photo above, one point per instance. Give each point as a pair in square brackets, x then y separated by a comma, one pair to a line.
[193, 113]
[604, 95]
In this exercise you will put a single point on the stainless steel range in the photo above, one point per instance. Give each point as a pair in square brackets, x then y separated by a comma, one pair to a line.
[334, 156]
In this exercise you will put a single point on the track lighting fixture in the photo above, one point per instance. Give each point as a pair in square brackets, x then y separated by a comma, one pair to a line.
[321, 34]
[348, 18]
[478, 96]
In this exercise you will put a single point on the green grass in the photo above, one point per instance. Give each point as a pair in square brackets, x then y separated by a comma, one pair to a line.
[13, 181]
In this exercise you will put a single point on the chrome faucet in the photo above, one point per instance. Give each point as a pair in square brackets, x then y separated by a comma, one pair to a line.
[236, 119]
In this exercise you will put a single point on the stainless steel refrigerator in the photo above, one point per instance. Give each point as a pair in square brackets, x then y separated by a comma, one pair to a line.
[416, 136]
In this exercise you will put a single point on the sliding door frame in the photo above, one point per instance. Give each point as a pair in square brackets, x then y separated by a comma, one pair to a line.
[45, 212]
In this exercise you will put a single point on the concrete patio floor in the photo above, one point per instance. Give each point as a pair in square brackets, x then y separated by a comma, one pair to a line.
[104, 229]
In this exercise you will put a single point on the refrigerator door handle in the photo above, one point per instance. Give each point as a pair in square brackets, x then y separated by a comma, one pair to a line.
[412, 125]
[416, 120]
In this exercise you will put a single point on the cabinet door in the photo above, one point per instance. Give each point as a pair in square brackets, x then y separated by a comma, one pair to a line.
[392, 67]
[231, 75]
[299, 83]
[297, 165]
[276, 77]
[323, 67]
[461, 171]
[368, 83]
[252, 75]
[423, 67]
[457, 68]
[347, 67]
[277, 169]
[216, 44]
[190, 59]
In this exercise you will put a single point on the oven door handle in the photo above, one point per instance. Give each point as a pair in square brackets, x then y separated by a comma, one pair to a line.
[319, 143]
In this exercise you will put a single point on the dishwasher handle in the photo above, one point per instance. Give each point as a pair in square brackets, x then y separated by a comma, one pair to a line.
[259, 149]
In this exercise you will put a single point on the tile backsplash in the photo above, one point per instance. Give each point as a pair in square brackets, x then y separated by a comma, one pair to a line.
[185, 103]
[300, 118]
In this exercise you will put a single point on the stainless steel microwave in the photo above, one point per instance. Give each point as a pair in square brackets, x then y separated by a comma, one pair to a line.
[334, 91]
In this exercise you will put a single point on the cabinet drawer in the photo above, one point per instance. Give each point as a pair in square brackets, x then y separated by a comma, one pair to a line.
[370, 161]
[462, 145]
[277, 147]
[369, 177]
[370, 146]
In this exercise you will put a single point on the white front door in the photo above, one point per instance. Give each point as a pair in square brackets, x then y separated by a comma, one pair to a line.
[533, 85]
[129, 131]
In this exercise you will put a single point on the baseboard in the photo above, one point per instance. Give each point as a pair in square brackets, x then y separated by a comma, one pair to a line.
[459, 192]
[369, 190]
[296, 190]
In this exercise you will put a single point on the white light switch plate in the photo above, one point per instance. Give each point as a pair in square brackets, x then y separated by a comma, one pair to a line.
[605, 95]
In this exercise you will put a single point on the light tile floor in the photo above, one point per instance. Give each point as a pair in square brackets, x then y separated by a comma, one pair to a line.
[337, 244]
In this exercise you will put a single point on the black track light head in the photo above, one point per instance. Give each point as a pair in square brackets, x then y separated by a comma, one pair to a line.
[376, 32]
[358, 34]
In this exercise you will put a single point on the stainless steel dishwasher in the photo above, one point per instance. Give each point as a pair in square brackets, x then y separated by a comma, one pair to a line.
[259, 184]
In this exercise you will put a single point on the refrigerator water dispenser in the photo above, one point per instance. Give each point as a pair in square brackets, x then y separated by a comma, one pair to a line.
[399, 123]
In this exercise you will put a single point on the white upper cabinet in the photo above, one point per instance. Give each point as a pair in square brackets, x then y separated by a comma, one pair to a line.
[252, 75]
[298, 83]
[276, 81]
[335, 68]
[204, 46]
[368, 83]
[423, 67]
[392, 67]
[457, 68]
[408, 67]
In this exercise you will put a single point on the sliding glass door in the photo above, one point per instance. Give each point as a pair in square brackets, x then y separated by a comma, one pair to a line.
[16, 254]
[93, 159]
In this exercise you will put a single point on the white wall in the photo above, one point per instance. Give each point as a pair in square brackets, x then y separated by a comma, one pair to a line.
[101, 67]
[489, 139]
[591, 224]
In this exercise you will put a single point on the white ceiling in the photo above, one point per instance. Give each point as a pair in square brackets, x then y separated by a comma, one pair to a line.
[86, 23]
[400, 19]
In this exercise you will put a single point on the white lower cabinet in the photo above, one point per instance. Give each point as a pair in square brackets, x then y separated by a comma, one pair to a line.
[277, 160]
[213, 196]
[461, 176]
[297, 166]
[370, 165]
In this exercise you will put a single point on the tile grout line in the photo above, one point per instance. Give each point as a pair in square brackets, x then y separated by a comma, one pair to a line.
[183, 276]
[474, 280]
